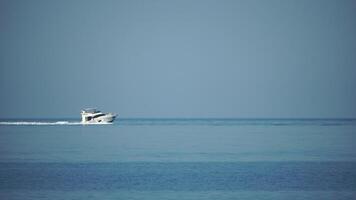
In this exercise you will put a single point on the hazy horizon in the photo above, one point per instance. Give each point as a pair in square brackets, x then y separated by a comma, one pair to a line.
[183, 118]
[178, 59]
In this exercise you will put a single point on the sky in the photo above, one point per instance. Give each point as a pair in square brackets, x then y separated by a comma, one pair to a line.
[182, 58]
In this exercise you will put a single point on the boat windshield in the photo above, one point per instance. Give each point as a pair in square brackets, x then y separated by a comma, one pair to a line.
[99, 115]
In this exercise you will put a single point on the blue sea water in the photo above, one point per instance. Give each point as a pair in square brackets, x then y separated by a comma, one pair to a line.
[178, 159]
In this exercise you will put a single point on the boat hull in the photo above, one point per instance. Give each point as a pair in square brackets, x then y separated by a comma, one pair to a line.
[108, 118]
[105, 119]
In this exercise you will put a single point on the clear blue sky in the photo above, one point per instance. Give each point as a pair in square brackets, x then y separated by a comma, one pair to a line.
[183, 58]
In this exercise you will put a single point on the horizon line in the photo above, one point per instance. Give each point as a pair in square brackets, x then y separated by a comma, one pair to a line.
[192, 118]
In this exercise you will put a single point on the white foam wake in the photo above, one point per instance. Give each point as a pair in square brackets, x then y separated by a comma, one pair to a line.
[42, 123]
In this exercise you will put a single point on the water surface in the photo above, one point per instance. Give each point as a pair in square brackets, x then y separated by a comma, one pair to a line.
[178, 159]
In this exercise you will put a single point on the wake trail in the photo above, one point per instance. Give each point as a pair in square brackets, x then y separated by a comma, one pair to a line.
[38, 123]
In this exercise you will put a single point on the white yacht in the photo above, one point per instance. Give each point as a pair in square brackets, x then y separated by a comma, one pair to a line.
[92, 115]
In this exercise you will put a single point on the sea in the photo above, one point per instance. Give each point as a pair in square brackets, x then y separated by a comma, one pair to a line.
[213, 159]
